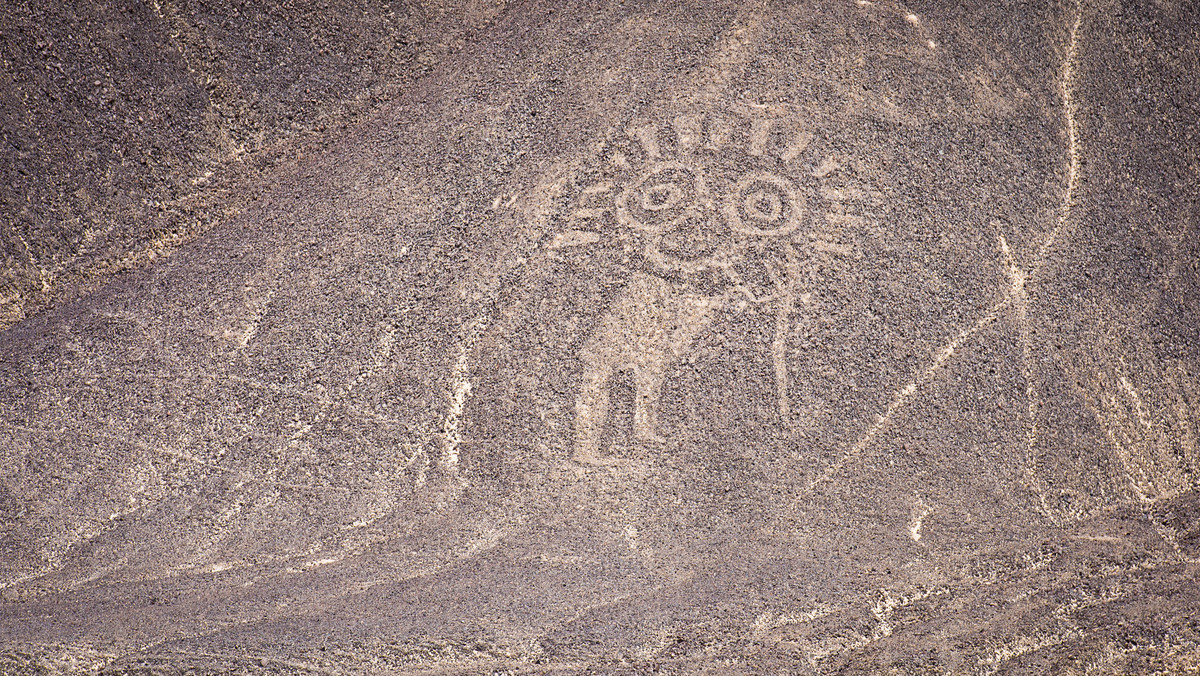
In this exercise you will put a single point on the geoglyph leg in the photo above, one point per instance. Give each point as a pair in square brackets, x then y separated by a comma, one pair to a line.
[591, 412]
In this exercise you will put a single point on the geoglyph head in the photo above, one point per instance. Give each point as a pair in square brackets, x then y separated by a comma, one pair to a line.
[700, 193]
[686, 224]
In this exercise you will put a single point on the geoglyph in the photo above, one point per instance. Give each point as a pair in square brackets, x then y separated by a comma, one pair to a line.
[720, 211]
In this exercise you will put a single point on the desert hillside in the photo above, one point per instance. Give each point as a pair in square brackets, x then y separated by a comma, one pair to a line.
[600, 337]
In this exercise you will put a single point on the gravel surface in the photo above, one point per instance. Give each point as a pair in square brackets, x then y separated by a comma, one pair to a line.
[601, 337]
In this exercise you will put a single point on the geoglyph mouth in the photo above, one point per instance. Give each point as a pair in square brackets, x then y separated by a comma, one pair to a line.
[697, 237]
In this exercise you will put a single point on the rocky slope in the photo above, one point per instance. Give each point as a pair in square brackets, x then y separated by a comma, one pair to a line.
[631, 337]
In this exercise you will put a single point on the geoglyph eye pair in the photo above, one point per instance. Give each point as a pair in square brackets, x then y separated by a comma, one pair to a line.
[672, 195]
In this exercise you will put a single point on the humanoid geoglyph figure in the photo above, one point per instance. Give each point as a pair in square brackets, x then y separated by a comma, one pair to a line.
[694, 248]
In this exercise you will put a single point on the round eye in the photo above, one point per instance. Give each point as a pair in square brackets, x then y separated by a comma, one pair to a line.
[765, 205]
[662, 198]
